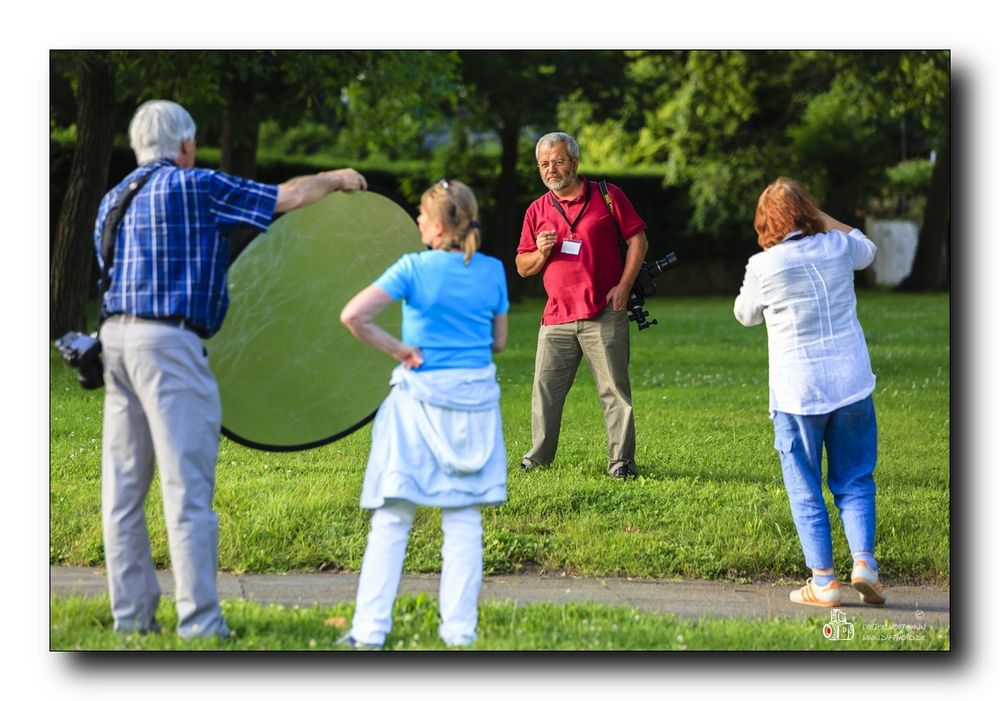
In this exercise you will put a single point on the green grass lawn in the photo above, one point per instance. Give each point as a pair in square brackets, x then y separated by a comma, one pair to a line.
[85, 624]
[709, 502]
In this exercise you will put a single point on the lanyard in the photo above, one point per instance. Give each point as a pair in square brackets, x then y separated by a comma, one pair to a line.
[586, 201]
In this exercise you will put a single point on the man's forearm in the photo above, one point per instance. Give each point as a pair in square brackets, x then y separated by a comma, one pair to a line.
[307, 189]
[530, 263]
[634, 256]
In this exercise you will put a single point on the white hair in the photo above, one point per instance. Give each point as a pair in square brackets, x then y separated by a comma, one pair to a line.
[157, 130]
[552, 138]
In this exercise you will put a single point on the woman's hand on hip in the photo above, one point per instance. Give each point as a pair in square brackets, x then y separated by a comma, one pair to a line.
[410, 356]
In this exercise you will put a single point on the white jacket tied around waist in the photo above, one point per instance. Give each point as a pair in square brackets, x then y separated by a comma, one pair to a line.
[438, 440]
[804, 289]
[454, 409]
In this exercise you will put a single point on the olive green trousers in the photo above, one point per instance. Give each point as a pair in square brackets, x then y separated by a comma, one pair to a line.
[604, 342]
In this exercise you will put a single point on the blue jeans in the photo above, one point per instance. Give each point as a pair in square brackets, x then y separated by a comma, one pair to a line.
[851, 438]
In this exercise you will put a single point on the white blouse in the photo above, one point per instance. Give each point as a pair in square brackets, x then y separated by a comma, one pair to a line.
[804, 289]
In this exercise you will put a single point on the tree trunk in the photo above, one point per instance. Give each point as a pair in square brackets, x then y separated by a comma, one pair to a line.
[931, 265]
[507, 227]
[239, 137]
[72, 263]
[240, 132]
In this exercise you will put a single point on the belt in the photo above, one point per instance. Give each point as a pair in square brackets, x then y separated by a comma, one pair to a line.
[178, 321]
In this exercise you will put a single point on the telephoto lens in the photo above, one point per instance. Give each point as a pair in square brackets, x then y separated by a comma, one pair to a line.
[645, 287]
[658, 267]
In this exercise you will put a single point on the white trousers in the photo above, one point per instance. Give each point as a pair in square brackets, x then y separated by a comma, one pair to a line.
[160, 398]
[382, 568]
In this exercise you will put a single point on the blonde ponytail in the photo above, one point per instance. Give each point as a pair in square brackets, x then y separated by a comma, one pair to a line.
[473, 240]
[455, 205]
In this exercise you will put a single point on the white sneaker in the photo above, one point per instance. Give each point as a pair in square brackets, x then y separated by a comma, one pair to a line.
[815, 595]
[865, 580]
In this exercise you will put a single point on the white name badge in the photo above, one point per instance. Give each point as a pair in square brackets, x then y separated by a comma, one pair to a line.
[571, 247]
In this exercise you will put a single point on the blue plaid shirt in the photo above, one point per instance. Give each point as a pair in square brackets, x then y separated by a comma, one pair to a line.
[171, 257]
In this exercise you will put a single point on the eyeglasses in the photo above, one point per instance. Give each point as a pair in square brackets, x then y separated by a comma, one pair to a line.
[451, 198]
[544, 165]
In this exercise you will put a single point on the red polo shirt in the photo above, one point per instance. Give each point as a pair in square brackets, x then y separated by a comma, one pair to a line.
[578, 283]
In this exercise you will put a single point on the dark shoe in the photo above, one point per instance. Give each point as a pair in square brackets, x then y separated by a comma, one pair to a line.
[528, 465]
[624, 470]
[349, 641]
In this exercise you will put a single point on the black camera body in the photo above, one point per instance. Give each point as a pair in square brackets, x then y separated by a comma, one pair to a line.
[645, 287]
[83, 352]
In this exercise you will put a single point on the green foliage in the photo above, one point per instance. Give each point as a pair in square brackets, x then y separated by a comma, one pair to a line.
[839, 153]
[905, 192]
[722, 124]
[395, 100]
[896, 84]
[608, 146]
[305, 139]
[376, 102]
[718, 125]
[718, 92]
[910, 177]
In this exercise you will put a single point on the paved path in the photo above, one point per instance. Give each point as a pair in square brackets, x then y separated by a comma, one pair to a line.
[690, 599]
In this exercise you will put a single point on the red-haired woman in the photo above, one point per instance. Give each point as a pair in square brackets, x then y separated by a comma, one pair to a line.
[820, 378]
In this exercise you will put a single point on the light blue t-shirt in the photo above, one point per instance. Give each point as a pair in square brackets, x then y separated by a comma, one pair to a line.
[448, 306]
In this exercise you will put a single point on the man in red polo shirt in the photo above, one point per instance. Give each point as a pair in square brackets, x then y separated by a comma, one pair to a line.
[569, 236]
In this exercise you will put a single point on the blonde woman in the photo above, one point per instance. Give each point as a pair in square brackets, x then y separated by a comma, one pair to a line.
[437, 439]
[820, 378]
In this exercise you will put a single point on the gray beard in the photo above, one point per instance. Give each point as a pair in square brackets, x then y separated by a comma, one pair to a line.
[560, 184]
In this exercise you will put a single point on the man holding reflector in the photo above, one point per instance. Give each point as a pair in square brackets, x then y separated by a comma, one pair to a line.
[166, 292]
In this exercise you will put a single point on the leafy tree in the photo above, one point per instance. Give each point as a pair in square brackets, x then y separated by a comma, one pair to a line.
[509, 92]
[721, 124]
[914, 87]
[911, 90]
[396, 100]
[231, 93]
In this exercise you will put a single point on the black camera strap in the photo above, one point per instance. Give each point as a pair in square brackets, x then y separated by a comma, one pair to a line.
[109, 235]
[622, 246]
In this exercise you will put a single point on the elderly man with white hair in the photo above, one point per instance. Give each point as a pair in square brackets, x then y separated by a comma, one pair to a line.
[166, 291]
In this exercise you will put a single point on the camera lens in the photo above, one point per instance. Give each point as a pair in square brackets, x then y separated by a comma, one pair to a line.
[658, 267]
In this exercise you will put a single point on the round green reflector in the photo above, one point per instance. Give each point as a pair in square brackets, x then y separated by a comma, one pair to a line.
[290, 375]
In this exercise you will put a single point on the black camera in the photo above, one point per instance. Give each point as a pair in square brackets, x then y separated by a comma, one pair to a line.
[645, 287]
[83, 352]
